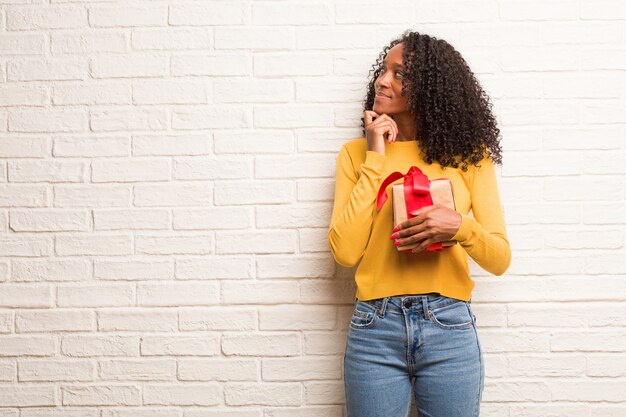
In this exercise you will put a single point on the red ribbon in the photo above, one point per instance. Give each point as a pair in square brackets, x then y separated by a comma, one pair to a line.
[416, 195]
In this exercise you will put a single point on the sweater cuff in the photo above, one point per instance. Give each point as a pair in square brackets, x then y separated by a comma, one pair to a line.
[465, 230]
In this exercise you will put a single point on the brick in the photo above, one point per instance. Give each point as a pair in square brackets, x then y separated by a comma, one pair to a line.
[225, 370]
[21, 96]
[25, 246]
[297, 167]
[265, 344]
[137, 369]
[92, 147]
[174, 39]
[12, 345]
[221, 168]
[208, 318]
[101, 395]
[128, 65]
[259, 242]
[208, 394]
[26, 296]
[17, 195]
[137, 319]
[188, 345]
[99, 345]
[178, 294]
[56, 370]
[95, 295]
[54, 320]
[90, 244]
[46, 220]
[178, 194]
[213, 218]
[46, 69]
[38, 17]
[23, 147]
[130, 120]
[211, 267]
[122, 16]
[93, 196]
[93, 93]
[242, 292]
[135, 269]
[88, 42]
[46, 171]
[246, 192]
[206, 15]
[270, 394]
[170, 92]
[130, 219]
[188, 144]
[130, 170]
[174, 244]
[27, 395]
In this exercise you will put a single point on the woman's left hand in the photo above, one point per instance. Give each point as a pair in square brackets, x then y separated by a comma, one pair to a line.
[431, 224]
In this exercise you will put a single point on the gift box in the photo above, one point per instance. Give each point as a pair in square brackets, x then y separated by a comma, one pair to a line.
[420, 192]
[441, 192]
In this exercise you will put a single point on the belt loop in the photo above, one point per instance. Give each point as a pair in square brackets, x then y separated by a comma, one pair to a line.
[425, 306]
[383, 307]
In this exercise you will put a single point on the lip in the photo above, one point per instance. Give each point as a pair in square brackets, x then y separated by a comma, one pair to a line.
[382, 96]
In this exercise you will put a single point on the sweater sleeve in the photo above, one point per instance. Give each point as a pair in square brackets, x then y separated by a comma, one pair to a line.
[354, 205]
[484, 236]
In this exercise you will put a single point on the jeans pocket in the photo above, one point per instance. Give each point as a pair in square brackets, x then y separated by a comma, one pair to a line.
[455, 316]
[363, 316]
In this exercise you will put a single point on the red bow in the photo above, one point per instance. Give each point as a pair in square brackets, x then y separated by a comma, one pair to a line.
[416, 195]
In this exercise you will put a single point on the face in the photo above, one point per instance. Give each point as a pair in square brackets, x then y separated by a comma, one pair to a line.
[389, 98]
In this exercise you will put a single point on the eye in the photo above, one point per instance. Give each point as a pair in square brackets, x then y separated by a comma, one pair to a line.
[396, 72]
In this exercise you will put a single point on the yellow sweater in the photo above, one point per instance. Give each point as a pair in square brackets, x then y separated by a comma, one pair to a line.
[358, 232]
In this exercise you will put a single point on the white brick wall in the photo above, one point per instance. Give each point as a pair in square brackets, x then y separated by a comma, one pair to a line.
[166, 180]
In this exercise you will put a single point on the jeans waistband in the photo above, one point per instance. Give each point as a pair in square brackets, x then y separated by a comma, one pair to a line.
[418, 302]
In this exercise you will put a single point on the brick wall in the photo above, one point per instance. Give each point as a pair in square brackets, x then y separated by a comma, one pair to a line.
[166, 183]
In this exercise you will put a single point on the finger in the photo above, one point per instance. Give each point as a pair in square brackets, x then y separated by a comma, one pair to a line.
[394, 127]
[423, 210]
[384, 129]
[397, 128]
[391, 134]
[368, 115]
[423, 245]
[410, 235]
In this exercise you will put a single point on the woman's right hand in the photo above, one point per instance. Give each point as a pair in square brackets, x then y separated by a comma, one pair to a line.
[377, 126]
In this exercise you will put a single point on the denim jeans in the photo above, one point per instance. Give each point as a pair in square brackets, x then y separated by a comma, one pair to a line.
[425, 343]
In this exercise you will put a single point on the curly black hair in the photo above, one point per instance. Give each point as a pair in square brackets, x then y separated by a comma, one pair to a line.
[452, 112]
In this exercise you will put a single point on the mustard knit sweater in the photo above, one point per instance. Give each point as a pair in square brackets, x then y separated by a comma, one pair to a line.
[358, 232]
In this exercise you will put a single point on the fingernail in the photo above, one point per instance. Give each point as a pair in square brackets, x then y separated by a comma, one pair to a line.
[397, 243]
[395, 229]
[394, 236]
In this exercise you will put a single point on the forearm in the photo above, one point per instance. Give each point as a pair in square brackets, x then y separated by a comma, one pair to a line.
[490, 250]
[352, 220]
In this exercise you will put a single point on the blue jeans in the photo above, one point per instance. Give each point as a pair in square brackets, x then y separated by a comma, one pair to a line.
[426, 343]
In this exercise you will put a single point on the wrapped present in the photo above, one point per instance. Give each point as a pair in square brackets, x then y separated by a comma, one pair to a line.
[415, 192]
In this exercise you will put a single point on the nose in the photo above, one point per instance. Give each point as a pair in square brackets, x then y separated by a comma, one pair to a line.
[382, 80]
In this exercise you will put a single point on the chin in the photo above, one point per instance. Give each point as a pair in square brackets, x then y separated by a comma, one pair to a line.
[381, 109]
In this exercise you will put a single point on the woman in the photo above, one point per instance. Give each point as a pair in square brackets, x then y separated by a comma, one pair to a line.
[412, 324]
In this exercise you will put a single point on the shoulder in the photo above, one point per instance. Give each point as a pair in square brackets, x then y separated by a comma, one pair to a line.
[355, 149]
[356, 146]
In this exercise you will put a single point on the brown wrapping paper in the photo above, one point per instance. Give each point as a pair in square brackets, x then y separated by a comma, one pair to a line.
[441, 192]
